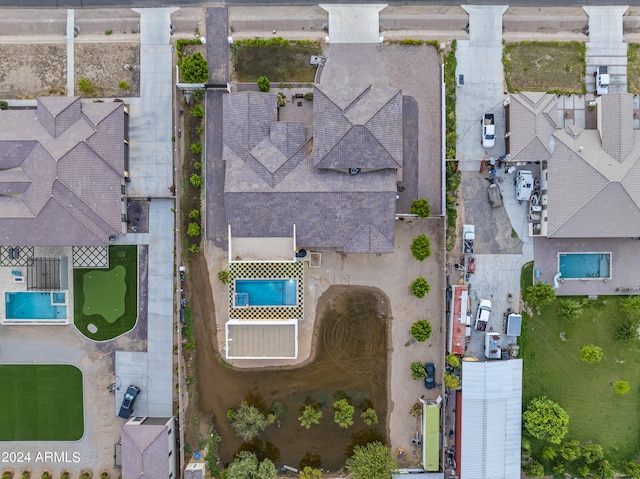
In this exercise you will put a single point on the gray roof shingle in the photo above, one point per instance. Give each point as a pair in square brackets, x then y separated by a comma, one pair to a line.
[145, 451]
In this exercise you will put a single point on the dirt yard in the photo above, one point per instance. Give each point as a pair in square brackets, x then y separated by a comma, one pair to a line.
[552, 67]
[29, 70]
[104, 65]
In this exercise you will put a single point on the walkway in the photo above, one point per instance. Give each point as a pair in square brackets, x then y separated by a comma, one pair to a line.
[480, 62]
[606, 46]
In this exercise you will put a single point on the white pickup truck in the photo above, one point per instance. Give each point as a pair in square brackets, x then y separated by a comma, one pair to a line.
[488, 130]
[602, 80]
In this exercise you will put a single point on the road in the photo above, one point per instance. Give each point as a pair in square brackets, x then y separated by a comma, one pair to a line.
[185, 3]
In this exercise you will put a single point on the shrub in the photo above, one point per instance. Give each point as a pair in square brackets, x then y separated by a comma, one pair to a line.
[310, 473]
[4, 105]
[570, 309]
[421, 330]
[197, 94]
[421, 208]
[534, 470]
[627, 330]
[194, 248]
[194, 69]
[248, 421]
[85, 86]
[264, 84]
[540, 294]
[451, 381]
[108, 32]
[308, 96]
[418, 371]
[223, 276]
[453, 360]
[421, 247]
[633, 469]
[193, 230]
[196, 180]
[549, 453]
[591, 353]
[411, 41]
[544, 419]
[197, 111]
[570, 450]
[343, 415]
[420, 287]
[197, 165]
[310, 416]
[369, 416]
[630, 305]
[621, 387]
[194, 214]
[196, 149]
[123, 85]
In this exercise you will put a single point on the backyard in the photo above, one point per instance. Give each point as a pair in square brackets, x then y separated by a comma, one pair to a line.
[41, 402]
[106, 300]
[553, 67]
[552, 367]
[279, 62]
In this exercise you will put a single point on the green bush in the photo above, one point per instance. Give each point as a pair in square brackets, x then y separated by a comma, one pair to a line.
[195, 148]
[224, 277]
[197, 111]
[310, 416]
[248, 421]
[197, 94]
[197, 165]
[194, 69]
[621, 387]
[411, 41]
[193, 230]
[369, 417]
[421, 330]
[451, 381]
[591, 353]
[180, 44]
[194, 248]
[85, 86]
[343, 415]
[418, 371]
[420, 207]
[453, 360]
[194, 214]
[4, 105]
[627, 330]
[421, 247]
[264, 84]
[308, 96]
[540, 294]
[633, 469]
[545, 420]
[420, 287]
[123, 85]
[196, 180]
[570, 309]
[534, 470]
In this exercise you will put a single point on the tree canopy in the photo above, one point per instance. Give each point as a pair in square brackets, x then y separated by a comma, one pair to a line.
[421, 330]
[540, 294]
[544, 419]
[248, 421]
[420, 207]
[421, 247]
[371, 461]
[194, 69]
[343, 415]
[247, 466]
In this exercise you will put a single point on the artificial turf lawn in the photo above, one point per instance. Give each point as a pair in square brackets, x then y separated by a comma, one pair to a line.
[104, 293]
[41, 402]
[552, 368]
[106, 302]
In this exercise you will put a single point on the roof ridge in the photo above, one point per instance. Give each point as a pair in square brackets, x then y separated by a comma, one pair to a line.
[392, 98]
[584, 204]
[358, 98]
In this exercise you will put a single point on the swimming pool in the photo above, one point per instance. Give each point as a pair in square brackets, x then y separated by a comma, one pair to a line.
[584, 265]
[266, 292]
[36, 305]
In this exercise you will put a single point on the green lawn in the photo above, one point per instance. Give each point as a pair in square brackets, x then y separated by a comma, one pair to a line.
[554, 67]
[286, 63]
[552, 367]
[633, 67]
[41, 403]
[107, 298]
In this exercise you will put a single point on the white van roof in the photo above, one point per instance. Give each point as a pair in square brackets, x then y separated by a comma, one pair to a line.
[524, 185]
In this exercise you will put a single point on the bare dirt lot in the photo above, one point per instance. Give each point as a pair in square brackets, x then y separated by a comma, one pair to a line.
[104, 65]
[32, 69]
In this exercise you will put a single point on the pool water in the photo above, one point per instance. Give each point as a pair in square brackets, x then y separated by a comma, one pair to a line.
[266, 292]
[584, 265]
[32, 305]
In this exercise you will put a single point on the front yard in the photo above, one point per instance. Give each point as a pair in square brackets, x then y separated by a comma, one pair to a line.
[553, 67]
[552, 367]
[633, 67]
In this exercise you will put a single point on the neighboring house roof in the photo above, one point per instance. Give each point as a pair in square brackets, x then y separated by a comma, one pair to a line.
[145, 450]
[272, 182]
[491, 419]
[593, 181]
[532, 121]
[61, 167]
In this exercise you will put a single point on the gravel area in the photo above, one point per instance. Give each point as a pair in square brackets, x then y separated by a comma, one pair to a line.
[29, 70]
[105, 65]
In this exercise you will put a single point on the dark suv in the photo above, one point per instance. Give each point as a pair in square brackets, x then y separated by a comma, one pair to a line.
[127, 402]
[430, 380]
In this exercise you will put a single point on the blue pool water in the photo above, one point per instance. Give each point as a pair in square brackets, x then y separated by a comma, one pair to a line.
[35, 305]
[585, 265]
[266, 292]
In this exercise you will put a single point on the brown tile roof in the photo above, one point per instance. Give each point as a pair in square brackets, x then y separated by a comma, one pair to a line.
[61, 168]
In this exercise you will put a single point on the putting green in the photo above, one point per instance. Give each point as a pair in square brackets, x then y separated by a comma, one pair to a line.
[104, 293]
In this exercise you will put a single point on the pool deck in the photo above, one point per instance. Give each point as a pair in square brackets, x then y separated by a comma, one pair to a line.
[624, 254]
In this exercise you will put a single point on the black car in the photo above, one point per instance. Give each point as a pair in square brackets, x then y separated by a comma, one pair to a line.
[430, 380]
[127, 402]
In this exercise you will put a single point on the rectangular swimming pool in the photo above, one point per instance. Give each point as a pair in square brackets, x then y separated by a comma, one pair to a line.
[584, 265]
[35, 305]
[266, 292]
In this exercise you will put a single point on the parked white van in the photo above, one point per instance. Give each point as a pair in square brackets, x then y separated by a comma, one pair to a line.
[524, 185]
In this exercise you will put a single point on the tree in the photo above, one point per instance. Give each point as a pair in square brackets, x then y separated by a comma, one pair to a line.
[534, 470]
[592, 453]
[371, 461]
[310, 473]
[604, 470]
[194, 69]
[248, 421]
[369, 416]
[570, 450]
[247, 466]
[453, 360]
[264, 84]
[591, 353]
[544, 419]
[621, 387]
[418, 371]
[193, 230]
[343, 415]
[451, 381]
[540, 294]
[421, 330]
[421, 247]
[310, 416]
[570, 309]
[420, 287]
[633, 469]
[421, 208]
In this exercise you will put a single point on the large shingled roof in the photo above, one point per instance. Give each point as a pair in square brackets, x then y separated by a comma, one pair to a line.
[61, 167]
